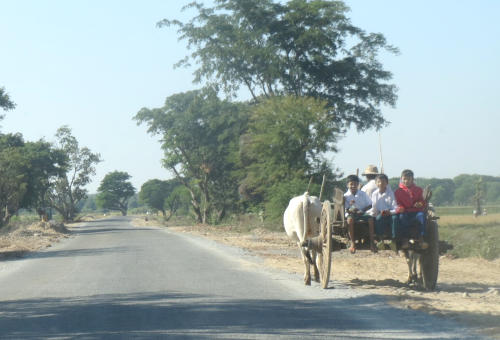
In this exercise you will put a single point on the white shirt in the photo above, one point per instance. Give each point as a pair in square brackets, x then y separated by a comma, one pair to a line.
[385, 201]
[361, 200]
[369, 187]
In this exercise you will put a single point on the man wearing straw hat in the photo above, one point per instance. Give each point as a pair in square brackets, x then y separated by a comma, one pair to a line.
[370, 173]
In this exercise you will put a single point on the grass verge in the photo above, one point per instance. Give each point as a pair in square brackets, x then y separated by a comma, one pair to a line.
[471, 237]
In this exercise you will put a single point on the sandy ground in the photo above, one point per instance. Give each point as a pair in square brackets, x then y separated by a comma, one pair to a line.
[468, 289]
[30, 238]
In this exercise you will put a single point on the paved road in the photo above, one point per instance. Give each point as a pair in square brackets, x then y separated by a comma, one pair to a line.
[112, 280]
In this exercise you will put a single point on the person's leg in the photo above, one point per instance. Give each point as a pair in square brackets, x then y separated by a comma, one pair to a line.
[379, 225]
[371, 230]
[395, 226]
[420, 217]
[350, 224]
[404, 224]
[395, 232]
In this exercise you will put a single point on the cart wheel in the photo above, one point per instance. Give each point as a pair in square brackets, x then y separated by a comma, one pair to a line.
[325, 257]
[430, 259]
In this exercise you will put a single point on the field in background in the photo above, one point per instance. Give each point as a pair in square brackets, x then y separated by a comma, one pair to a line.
[471, 236]
[465, 210]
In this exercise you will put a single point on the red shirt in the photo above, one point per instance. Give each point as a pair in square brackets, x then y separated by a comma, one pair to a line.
[406, 197]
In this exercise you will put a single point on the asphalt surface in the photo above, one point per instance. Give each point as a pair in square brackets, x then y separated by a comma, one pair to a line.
[113, 280]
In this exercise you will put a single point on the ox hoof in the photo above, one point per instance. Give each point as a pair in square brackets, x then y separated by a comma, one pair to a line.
[307, 281]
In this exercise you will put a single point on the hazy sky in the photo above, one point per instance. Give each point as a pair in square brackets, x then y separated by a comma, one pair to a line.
[93, 64]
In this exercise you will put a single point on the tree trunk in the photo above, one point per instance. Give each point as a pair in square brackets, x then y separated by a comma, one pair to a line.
[170, 213]
[194, 202]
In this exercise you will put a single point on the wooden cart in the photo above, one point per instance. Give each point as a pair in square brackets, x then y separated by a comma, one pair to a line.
[333, 236]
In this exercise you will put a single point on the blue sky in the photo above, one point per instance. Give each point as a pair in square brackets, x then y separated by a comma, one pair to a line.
[93, 64]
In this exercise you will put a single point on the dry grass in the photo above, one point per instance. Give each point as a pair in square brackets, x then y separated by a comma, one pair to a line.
[471, 236]
[453, 220]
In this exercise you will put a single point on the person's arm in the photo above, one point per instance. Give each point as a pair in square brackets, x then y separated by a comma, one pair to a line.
[399, 195]
[367, 202]
[419, 202]
[394, 205]
[374, 211]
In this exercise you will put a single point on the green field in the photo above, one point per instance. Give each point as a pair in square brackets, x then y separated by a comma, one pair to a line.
[465, 210]
[471, 236]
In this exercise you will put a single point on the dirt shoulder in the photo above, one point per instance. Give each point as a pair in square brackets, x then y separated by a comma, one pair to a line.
[24, 239]
[468, 289]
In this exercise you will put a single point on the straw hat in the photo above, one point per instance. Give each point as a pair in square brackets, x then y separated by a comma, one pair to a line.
[370, 170]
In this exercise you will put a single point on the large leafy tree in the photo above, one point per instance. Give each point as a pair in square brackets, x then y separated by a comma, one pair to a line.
[285, 141]
[200, 138]
[46, 165]
[301, 47]
[69, 190]
[153, 194]
[114, 192]
[165, 196]
[27, 171]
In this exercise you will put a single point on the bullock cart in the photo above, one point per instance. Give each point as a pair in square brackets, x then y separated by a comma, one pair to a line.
[333, 235]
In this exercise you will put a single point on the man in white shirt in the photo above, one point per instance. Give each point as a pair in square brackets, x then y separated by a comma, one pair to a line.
[384, 208]
[370, 173]
[357, 203]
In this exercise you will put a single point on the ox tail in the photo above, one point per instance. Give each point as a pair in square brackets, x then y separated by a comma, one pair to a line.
[305, 209]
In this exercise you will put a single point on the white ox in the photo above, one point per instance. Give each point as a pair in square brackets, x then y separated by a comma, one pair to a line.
[301, 221]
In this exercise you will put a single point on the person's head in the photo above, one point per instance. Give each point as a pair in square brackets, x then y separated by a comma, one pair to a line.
[407, 177]
[352, 183]
[370, 172]
[382, 181]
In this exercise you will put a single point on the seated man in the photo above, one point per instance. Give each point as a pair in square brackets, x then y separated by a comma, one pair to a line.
[411, 206]
[357, 203]
[370, 173]
[384, 209]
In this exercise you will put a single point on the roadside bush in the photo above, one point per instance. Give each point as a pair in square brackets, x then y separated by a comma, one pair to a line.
[281, 193]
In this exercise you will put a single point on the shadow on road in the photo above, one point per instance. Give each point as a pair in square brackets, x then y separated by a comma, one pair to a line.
[97, 230]
[199, 317]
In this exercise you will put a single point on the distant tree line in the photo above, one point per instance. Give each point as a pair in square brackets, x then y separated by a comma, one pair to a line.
[460, 190]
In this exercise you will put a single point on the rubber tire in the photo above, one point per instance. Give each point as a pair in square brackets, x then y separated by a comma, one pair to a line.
[430, 259]
[326, 250]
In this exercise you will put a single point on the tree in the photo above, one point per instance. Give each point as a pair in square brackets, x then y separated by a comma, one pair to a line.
[285, 142]
[300, 48]
[13, 179]
[45, 165]
[164, 196]
[478, 197]
[439, 196]
[5, 102]
[200, 135]
[68, 190]
[89, 204]
[115, 191]
[153, 193]
[178, 199]
[465, 188]
[493, 193]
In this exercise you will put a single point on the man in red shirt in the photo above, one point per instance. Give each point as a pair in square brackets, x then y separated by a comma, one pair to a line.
[411, 206]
